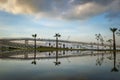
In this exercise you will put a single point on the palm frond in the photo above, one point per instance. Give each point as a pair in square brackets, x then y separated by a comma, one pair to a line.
[113, 29]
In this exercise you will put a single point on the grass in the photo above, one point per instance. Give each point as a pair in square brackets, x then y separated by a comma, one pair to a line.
[43, 48]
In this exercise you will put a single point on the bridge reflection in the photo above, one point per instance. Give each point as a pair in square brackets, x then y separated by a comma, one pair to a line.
[102, 57]
[30, 54]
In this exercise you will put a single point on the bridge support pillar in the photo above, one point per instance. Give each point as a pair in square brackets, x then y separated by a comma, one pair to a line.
[26, 42]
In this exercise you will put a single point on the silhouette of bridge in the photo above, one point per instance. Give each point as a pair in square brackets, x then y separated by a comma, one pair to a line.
[26, 43]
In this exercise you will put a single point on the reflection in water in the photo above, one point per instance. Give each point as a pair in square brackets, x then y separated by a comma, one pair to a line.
[26, 55]
[57, 63]
[101, 56]
[49, 53]
[81, 63]
[100, 59]
[111, 56]
[31, 54]
[34, 61]
[63, 52]
[114, 69]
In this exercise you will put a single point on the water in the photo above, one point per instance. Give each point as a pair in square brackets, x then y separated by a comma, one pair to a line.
[68, 65]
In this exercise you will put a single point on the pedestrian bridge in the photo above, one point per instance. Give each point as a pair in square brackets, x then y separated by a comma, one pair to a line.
[29, 42]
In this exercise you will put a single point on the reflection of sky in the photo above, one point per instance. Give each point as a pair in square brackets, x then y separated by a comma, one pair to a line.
[76, 68]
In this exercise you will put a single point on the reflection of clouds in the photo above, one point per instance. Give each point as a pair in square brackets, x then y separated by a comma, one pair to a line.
[67, 9]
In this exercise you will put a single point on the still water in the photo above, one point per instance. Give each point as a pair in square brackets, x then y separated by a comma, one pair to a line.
[59, 65]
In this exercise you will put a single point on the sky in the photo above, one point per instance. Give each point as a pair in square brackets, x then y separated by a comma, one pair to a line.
[77, 20]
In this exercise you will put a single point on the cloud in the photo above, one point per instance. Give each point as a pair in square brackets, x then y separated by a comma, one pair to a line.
[62, 9]
[3, 1]
[86, 10]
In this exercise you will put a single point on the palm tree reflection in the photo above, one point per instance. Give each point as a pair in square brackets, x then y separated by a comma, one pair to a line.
[114, 69]
[57, 63]
[34, 61]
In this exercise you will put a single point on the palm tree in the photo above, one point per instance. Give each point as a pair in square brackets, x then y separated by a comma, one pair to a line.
[110, 42]
[114, 43]
[34, 36]
[57, 35]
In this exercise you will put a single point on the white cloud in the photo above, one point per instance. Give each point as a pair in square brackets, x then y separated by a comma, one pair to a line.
[65, 9]
[86, 10]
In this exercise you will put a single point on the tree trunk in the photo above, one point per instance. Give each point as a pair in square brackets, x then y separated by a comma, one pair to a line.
[114, 43]
[56, 42]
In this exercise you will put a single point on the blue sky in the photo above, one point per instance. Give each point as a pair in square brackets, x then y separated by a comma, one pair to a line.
[79, 19]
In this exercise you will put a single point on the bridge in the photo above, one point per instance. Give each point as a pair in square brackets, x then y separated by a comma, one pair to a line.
[29, 42]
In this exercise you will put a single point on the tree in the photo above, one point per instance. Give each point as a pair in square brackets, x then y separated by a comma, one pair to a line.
[34, 36]
[101, 40]
[114, 43]
[118, 32]
[57, 35]
[97, 38]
